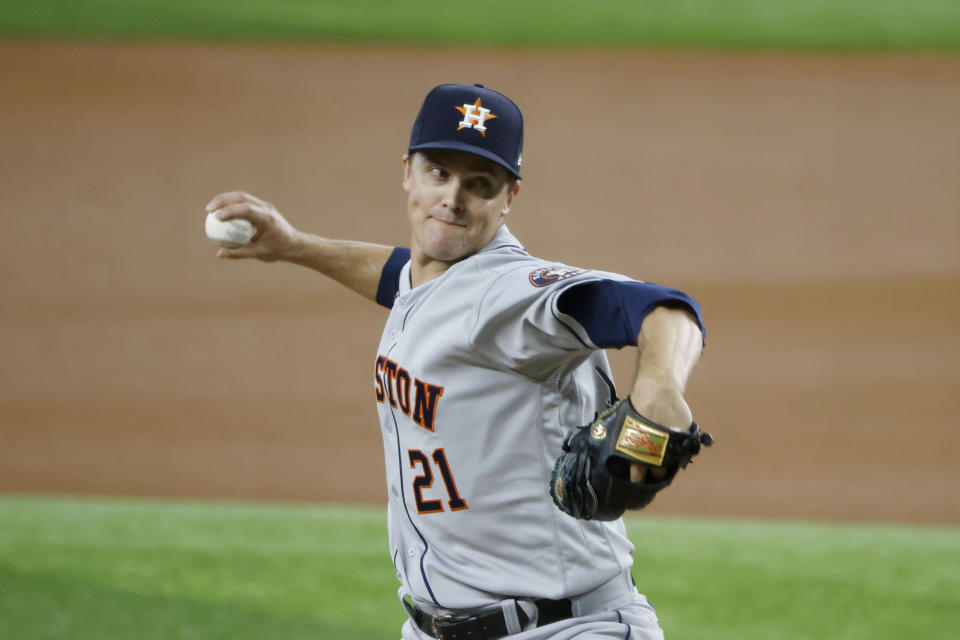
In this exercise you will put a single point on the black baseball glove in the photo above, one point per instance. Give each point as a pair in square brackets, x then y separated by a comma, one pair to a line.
[591, 478]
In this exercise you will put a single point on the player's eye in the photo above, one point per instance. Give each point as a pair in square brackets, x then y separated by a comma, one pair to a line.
[438, 172]
[482, 186]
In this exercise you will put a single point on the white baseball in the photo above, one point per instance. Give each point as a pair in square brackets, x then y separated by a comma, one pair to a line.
[234, 232]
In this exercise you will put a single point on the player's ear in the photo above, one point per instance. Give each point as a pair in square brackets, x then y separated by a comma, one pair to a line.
[510, 196]
[407, 162]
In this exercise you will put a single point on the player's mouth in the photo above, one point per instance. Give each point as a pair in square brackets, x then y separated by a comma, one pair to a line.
[449, 223]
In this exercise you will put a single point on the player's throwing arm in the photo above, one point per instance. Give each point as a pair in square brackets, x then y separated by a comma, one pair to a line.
[248, 227]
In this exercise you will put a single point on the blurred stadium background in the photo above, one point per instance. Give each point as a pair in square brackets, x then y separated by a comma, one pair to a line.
[792, 164]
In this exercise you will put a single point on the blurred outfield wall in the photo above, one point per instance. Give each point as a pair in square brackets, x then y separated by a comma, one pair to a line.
[807, 198]
[783, 24]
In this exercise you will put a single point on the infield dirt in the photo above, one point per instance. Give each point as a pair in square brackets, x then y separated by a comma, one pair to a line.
[809, 201]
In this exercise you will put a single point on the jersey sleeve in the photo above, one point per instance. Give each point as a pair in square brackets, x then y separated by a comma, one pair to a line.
[610, 312]
[390, 277]
[532, 320]
[516, 322]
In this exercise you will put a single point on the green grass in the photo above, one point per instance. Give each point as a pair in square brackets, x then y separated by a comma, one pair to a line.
[794, 24]
[728, 580]
[93, 568]
[87, 568]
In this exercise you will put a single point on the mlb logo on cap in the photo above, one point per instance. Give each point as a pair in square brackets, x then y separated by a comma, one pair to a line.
[473, 119]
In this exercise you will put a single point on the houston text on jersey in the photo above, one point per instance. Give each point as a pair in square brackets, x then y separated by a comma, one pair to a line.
[393, 385]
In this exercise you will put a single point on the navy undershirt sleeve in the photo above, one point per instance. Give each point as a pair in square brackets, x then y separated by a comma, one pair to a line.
[611, 311]
[390, 277]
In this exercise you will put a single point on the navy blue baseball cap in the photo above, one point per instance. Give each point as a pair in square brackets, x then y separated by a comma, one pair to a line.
[473, 119]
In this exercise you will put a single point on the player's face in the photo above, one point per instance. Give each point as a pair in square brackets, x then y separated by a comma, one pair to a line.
[456, 201]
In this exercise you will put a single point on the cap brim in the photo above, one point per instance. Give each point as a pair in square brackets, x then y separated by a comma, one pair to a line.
[456, 145]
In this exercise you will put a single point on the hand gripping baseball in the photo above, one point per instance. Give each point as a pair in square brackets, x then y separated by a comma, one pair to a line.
[590, 479]
[275, 238]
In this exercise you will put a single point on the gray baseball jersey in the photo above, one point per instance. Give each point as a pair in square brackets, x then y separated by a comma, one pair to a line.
[478, 378]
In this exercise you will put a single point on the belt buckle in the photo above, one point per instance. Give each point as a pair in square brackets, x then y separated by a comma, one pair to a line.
[444, 621]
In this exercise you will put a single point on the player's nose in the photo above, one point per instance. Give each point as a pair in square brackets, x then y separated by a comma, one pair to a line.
[453, 195]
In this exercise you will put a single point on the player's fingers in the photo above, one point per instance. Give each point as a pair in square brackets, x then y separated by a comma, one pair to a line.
[234, 210]
[641, 472]
[256, 200]
[226, 198]
[235, 197]
[256, 214]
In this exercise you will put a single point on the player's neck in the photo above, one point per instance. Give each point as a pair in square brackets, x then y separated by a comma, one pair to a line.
[423, 269]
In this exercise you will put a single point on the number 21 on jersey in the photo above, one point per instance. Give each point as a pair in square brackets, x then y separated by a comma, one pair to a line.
[419, 460]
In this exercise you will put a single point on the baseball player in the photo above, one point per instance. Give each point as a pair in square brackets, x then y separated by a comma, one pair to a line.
[489, 360]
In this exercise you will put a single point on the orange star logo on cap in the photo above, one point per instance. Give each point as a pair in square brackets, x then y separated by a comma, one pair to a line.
[474, 116]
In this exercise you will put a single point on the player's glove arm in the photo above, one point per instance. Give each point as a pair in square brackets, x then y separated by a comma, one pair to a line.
[591, 478]
[612, 312]
[596, 476]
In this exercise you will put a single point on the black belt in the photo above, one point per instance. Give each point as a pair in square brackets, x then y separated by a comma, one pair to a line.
[485, 626]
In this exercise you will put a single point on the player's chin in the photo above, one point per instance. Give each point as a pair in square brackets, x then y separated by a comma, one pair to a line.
[448, 246]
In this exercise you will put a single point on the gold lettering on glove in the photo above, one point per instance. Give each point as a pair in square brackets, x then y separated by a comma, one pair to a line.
[642, 443]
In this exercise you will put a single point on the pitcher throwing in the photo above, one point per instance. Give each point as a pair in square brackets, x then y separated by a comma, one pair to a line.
[505, 486]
